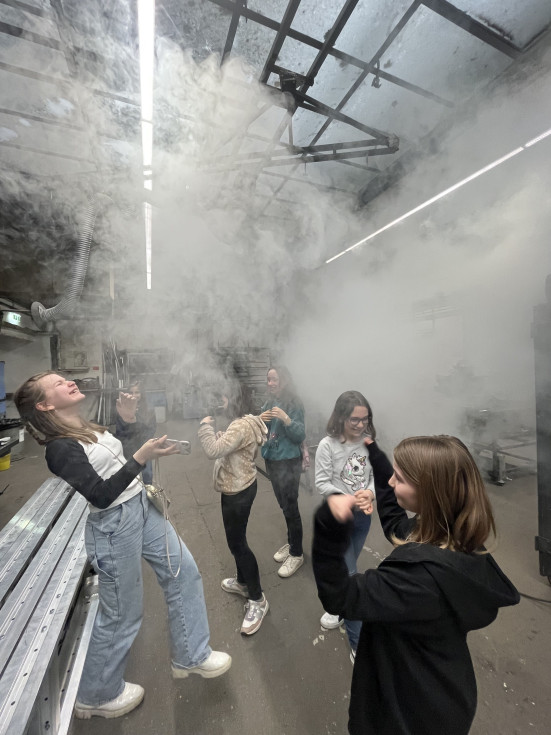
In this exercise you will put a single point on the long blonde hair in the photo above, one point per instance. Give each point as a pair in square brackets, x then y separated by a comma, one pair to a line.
[46, 425]
[454, 509]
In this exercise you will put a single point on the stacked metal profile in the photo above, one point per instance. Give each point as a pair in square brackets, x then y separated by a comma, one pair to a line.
[48, 603]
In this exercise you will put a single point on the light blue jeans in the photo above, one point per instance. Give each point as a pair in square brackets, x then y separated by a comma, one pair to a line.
[362, 524]
[116, 541]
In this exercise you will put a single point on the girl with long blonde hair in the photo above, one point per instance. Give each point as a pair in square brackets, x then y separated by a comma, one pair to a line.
[122, 527]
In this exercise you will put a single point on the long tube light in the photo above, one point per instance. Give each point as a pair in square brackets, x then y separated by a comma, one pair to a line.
[146, 34]
[444, 193]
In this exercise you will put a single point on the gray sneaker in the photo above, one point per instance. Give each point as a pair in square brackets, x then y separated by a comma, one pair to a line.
[282, 554]
[254, 615]
[290, 565]
[232, 585]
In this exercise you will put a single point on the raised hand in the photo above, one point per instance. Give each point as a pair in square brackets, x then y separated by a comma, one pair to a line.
[276, 413]
[155, 448]
[126, 407]
[364, 501]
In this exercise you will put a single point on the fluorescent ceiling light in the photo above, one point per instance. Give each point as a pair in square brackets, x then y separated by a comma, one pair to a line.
[442, 194]
[146, 33]
[148, 229]
[147, 143]
[537, 140]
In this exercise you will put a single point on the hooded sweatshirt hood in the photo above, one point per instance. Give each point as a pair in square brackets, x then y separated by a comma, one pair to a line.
[259, 428]
[472, 584]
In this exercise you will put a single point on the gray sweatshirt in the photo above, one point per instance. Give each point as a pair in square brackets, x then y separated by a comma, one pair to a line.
[343, 467]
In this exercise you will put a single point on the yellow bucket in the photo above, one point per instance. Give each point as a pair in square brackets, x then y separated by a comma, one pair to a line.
[5, 462]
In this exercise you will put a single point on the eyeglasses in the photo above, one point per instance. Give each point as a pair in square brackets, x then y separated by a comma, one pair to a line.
[356, 421]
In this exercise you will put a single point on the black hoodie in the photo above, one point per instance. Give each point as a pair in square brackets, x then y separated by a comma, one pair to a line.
[413, 673]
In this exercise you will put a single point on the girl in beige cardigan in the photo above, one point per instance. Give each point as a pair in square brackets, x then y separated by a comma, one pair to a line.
[235, 478]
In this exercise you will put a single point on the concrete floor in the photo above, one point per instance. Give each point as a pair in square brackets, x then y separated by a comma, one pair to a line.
[292, 677]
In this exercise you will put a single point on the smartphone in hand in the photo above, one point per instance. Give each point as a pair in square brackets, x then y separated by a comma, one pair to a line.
[183, 446]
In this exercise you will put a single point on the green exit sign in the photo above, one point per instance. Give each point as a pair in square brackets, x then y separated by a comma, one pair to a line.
[11, 317]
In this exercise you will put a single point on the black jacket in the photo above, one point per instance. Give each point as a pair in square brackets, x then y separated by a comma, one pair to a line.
[413, 673]
[132, 436]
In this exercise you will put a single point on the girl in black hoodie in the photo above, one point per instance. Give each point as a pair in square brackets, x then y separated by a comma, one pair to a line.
[413, 673]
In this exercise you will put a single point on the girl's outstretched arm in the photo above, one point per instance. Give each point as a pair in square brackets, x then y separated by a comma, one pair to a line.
[394, 520]
[393, 592]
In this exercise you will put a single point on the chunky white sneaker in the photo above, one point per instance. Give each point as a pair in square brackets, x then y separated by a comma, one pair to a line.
[129, 699]
[329, 621]
[215, 665]
[254, 615]
[232, 585]
[290, 565]
[282, 554]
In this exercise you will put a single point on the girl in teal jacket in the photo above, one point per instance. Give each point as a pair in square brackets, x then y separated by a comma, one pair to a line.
[283, 413]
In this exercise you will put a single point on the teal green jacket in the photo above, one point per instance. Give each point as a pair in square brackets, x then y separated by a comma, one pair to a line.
[284, 441]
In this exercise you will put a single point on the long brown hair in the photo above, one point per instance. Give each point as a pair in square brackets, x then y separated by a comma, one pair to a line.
[288, 393]
[454, 509]
[344, 406]
[45, 425]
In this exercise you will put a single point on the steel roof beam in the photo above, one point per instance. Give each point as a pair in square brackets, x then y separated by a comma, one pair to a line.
[342, 19]
[302, 150]
[313, 105]
[282, 33]
[474, 27]
[360, 166]
[304, 182]
[308, 158]
[44, 152]
[375, 60]
[309, 103]
[347, 58]
[232, 30]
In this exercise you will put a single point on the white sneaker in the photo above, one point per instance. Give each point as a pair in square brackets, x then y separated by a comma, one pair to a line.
[232, 585]
[282, 554]
[129, 699]
[215, 665]
[290, 565]
[254, 615]
[329, 621]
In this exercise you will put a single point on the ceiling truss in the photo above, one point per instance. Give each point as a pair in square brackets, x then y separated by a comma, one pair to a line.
[297, 85]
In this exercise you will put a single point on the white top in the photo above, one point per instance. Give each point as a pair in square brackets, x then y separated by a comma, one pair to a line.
[343, 467]
[106, 457]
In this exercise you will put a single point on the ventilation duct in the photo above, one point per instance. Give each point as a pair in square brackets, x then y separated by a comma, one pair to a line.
[40, 314]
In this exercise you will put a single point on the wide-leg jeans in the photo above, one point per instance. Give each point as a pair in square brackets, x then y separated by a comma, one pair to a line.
[116, 541]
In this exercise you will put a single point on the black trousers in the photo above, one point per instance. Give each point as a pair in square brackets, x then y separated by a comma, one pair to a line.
[235, 514]
[285, 478]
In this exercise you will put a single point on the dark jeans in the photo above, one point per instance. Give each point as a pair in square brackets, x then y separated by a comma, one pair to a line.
[147, 473]
[285, 478]
[235, 514]
[362, 524]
